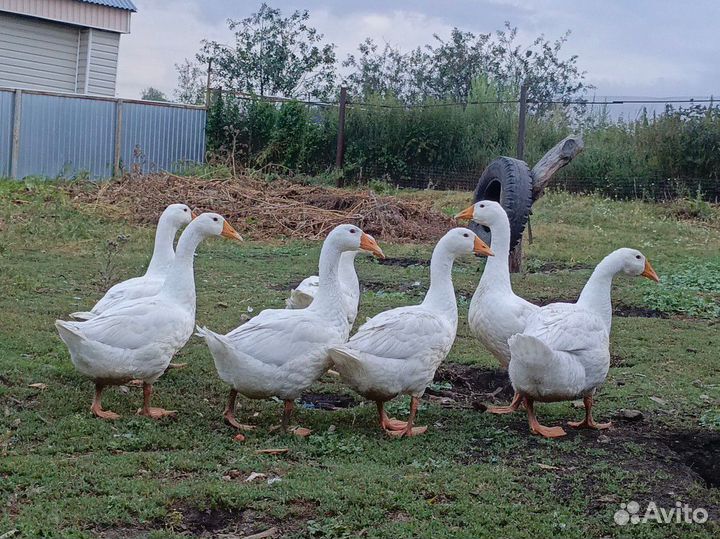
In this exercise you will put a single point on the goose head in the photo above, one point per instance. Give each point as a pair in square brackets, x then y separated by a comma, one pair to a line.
[463, 241]
[633, 262]
[212, 224]
[484, 212]
[352, 238]
[177, 215]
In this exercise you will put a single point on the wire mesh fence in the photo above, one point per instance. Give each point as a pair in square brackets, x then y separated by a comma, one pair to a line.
[634, 148]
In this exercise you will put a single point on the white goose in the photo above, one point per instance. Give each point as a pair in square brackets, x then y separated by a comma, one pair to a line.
[137, 338]
[496, 313]
[281, 352]
[303, 295]
[398, 351]
[172, 219]
[563, 353]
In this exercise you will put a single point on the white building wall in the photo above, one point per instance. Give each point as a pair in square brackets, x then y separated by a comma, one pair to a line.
[37, 54]
[103, 55]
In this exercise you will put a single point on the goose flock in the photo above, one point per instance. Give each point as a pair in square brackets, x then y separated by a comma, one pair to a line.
[552, 353]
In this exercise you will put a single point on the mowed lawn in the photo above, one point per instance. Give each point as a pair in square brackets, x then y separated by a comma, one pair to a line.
[64, 473]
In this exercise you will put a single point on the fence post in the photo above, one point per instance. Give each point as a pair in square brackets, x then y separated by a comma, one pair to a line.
[17, 119]
[118, 136]
[207, 86]
[340, 151]
[521, 121]
[515, 259]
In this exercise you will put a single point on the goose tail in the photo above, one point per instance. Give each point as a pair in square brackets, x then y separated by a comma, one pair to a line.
[538, 371]
[83, 315]
[347, 363]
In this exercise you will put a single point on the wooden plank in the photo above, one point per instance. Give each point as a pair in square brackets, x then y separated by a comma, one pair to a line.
[17, 119]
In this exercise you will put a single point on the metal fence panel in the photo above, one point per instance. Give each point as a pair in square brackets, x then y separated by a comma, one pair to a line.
[158, 137]
[6, 126]
[63, 135]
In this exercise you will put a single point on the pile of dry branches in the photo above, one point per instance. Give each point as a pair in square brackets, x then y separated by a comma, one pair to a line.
[261, 209]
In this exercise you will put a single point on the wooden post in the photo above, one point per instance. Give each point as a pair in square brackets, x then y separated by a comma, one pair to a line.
[556, 157]
[17, 119]
[340, 151]
[521, 122]
[515, 258]
[118, 137]
[207, 86]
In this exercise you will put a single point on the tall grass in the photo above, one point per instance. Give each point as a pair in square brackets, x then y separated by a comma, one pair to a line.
[443, 144]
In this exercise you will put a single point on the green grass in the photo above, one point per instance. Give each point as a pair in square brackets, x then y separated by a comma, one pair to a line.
[65, 474]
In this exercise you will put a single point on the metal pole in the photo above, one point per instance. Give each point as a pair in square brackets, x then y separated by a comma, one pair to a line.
[17, 119]
[340, 151]
[118, 136]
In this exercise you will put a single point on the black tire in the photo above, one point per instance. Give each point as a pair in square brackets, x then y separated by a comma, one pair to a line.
[507, 181]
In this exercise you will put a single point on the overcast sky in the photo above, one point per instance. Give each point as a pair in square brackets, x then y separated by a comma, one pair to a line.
[628, 47]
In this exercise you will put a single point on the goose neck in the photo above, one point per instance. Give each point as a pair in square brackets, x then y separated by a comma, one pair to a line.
[596, 294]
[163, 252]
[497, 269]
[329, 295]
[180, 281]
[441, 294]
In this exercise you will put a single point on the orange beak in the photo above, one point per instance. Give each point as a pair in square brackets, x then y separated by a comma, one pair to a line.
[467, 213]
[481, 248]
[230, 233]
[649, 272]
[368, 243]
[194, 214]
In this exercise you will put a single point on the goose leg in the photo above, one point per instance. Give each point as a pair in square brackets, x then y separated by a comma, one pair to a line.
[176, 366]
[387, 423]
[229, 412]
[409, 430]
[589, 422]
[514, 405]
[96, 407]
[287, 412]
[536, 427]
[147, 410]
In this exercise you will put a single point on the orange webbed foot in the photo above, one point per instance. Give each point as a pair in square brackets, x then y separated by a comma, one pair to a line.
[548, 432]
[392, 424]
[104, 414]
[157, 413]
[406, 433]
[585, 424]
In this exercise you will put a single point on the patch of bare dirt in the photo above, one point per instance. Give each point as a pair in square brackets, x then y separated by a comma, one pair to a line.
[554, 267]
[404, 262]
[327, 401]
[259, 209]
[470, 386]
[667, 465]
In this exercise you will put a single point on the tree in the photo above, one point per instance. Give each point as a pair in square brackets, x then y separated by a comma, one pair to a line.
[153, 94]
[191, 85]
[549, 77]
[447, 69]
[274, 55]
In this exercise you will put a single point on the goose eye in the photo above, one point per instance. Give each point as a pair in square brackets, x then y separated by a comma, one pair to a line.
[185, 210]
[215, 219]
[482, 205]
[352, 231]
[466, 235]
[637, 256]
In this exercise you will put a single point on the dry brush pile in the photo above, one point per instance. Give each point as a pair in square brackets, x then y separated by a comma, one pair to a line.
[261, 209]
